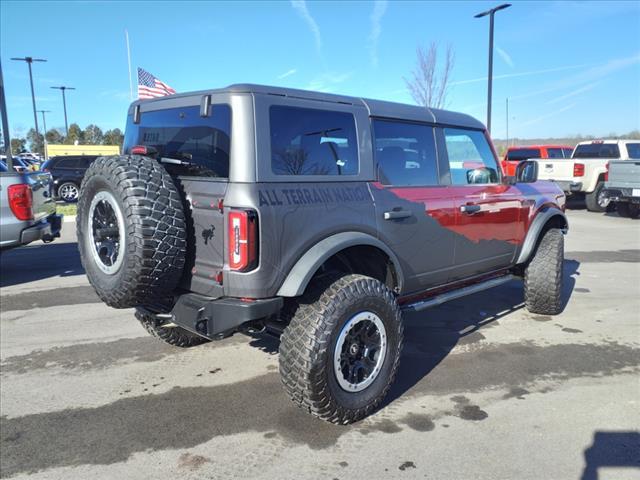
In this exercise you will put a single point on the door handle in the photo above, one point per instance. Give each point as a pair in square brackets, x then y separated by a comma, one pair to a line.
[397, 214]
[470, 209]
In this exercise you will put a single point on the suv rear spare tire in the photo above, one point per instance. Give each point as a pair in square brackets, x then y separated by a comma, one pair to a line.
[131, 230]
[341, 350]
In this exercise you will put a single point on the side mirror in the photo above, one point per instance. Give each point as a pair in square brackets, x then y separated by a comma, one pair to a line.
[527, 172]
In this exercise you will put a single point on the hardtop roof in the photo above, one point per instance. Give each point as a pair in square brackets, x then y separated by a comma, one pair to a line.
[377, 108]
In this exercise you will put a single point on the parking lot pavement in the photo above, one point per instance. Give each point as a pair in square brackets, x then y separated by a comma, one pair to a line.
[485, 390]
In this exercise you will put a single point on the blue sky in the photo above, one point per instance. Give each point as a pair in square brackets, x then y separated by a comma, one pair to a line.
[567, 67]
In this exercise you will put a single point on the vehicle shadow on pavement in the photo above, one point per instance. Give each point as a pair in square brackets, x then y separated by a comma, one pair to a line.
[432, 334]
[611, 449]
[31, 263]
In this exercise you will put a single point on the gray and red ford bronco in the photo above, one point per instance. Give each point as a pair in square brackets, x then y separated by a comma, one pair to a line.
[319, 217]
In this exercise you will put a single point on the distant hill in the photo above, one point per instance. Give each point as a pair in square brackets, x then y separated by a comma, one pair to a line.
[501, 144]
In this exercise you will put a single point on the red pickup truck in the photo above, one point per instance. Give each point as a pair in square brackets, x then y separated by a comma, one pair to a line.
[515, 155]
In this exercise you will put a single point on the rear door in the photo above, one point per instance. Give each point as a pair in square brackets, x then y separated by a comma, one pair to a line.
[195, 150]
[489, 220]
[414, 212]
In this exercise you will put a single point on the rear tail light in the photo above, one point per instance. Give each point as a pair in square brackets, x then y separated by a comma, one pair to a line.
[606, 173]
[144, 150]
[21, 201]
[243, 240]
[578, 169]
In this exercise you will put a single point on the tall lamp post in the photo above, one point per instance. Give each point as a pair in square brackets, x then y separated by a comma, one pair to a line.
[64, 105]
[44, 137]
[491, 13]
[29, 61]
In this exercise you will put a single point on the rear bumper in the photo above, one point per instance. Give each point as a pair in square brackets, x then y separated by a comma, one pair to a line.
[621, 195]
[568, 186]
[46, 230]
[216, 318]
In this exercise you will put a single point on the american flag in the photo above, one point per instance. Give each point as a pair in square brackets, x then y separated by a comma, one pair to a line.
[150, 87]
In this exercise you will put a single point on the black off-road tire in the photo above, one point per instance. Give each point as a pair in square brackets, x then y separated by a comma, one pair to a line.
[628, 210]
[591, 199]
[154, 244]
[176, 336]
[308, 343]
[543, 275]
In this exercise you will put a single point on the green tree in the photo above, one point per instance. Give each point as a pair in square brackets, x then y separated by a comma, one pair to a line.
[75, 135]
[36, 141]
[54, 136]
[18, 145]
[93, 135]
[113, 137]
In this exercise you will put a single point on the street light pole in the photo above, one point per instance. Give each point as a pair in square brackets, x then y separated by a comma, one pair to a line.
[64, 105]
[491, 13]
[44, 125]
[29, 61]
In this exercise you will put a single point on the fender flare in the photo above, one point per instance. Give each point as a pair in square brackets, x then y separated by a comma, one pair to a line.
[536, 227]
[304, 269]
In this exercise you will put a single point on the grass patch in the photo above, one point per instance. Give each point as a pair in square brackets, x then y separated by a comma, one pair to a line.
[67, 209]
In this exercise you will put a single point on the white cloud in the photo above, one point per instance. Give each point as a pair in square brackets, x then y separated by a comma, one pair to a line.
[586, 88]
[521, 74]
[326, 81]
[300, 6]
[505, 56]
[379, 9]
[288, 73]
[548, 115]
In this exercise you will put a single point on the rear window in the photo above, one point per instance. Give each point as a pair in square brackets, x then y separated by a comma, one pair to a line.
[555, 153]
[70, 162]
[520, 154]
[634, 150]
[307, 141]
[203, 144]
[567, 152]
[597, 150]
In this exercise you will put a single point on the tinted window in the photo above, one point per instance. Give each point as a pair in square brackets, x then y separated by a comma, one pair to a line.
[634, 150]
[555, 153]
[69, 162]
[567, 152]
[471, 159]
[312, 142]
[3, 167]
[597, 150]
[203, 144]
[520, 154]
[88, 160]
[405, 153]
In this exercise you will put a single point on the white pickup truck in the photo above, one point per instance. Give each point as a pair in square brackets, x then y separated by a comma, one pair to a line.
[584, 173]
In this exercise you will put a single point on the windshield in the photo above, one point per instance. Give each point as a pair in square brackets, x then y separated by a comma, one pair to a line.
[597, 150]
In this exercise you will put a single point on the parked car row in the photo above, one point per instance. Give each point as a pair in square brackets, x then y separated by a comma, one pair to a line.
[582, 171]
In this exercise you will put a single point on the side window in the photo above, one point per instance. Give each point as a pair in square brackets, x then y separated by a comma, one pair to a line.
[471, 159]
[306, 141]
[567, 152]
[405, 153]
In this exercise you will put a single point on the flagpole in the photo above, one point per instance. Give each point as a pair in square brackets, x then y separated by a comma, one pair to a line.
[126, 33]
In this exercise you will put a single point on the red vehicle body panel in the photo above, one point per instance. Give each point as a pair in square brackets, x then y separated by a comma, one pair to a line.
[509, 166]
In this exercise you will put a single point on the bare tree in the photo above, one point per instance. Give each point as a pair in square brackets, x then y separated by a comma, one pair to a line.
[428, 86]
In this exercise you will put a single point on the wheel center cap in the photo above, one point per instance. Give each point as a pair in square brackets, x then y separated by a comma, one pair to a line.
[354, 349]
